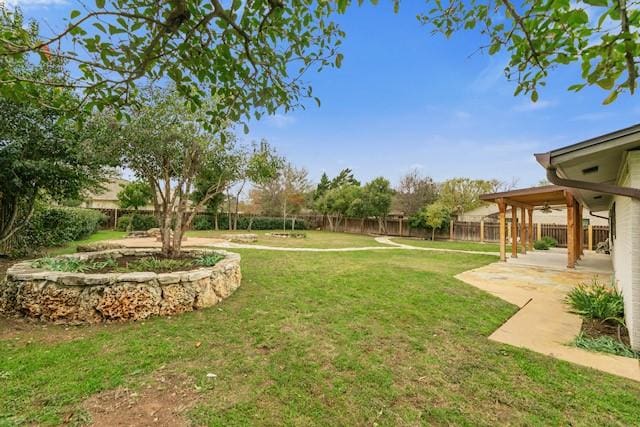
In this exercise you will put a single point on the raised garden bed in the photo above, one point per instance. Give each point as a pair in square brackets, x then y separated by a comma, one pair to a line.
[241, 238]
[285, 235]
[106, 289]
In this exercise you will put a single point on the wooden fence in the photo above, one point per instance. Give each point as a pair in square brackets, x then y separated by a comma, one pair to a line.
[469, 231]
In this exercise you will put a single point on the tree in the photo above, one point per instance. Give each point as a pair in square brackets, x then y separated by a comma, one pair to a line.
[42, 154]
[414, 191]
[434, 216]
[250, 56]
[602, 36]
[135, 195]
[463, 194]
[338, 202]
[323, 186]
[377, 195]
[164, 144]
[345, 177]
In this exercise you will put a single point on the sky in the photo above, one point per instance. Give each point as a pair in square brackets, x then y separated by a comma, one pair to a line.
[406, 99]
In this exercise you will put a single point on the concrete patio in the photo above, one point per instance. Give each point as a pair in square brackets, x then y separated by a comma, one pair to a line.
[538, 283]
[556, 259]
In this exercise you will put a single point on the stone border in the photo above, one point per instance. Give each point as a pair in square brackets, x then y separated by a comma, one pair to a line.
[93, 298]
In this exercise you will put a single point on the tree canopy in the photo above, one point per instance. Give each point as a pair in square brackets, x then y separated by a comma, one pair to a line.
[135, 195]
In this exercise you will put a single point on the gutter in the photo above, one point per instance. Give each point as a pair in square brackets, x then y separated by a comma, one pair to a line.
[552, 175]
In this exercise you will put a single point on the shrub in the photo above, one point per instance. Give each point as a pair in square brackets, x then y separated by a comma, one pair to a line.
[550, 241]
[597, 301]
[54, 226]
[605, 344]
[138, 222]
[202, 223]
[541, 245]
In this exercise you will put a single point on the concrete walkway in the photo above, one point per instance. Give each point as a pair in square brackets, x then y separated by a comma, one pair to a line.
[150, 242]
[543, 323]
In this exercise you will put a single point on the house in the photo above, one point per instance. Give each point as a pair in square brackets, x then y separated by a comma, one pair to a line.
[603, 174]
[550, 215]
[108, 197]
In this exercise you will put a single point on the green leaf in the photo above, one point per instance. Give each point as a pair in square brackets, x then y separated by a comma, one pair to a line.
[534, 96]
[601, 3]
[339, 58]
[606, 83]
[609, 99]
[100, 4]
[75, 14]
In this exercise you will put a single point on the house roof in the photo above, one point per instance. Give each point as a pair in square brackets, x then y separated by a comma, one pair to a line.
[597, 160]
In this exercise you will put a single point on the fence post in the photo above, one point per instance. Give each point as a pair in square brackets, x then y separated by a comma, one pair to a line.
[590, 237]
[482, 231]
[400, 225]
[539, 231]
[115, 219]
[451, 235]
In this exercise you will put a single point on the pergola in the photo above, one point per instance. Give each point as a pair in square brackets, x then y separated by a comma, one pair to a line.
[526, 200]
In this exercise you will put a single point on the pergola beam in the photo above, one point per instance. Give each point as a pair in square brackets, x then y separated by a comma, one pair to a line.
[518, 204]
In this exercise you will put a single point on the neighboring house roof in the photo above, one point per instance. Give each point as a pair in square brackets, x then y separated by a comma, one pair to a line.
[596, 160]
[110, 192]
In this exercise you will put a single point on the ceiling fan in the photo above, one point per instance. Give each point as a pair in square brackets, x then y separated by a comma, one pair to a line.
[547, 208]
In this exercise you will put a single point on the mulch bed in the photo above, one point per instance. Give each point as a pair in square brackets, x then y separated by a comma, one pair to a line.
[124, 261]
[595, 328]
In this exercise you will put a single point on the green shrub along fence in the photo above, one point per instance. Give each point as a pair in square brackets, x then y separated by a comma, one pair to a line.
[138, 222]
[206, 222]
[52, 226]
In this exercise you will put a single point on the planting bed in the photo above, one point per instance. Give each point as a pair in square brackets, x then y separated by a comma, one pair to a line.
[107, 294]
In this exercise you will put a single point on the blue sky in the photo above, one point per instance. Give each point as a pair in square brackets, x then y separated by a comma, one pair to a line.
[407, 99]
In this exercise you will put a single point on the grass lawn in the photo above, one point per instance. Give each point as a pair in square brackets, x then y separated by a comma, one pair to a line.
[70, 247]
[314, 239]
[461, 245]
[355, 338]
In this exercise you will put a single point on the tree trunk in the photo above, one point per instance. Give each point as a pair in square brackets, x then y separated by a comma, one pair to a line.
[330, 222]
[293, 224]
[362, 225]
[215, 221]
[433, 234]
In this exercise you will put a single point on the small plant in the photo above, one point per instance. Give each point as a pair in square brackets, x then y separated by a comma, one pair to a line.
[67, 265]
[550, 241]
[597, 301]
[541, 245]
[154, 264]
[72, 265]
[605, 344]
[208, 260]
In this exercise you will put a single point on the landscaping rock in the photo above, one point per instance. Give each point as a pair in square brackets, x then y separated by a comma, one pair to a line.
[241, 238]
[99, 246]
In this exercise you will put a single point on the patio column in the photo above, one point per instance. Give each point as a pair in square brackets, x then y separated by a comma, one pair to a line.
[503, 232]
[571, 232]
[530, 212]
[523, 231]
[514, 232]
[580, 230]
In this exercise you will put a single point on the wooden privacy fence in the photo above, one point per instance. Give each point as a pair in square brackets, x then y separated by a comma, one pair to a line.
[475, 231]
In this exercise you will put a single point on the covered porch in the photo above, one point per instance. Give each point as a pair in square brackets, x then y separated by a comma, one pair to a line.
[522, 203]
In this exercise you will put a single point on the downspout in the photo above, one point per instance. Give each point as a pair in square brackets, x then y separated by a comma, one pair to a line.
[552, 175]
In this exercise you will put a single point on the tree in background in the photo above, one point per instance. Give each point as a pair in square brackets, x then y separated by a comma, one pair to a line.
[323, 186]
[436, 216]
[337, 203]
[377, 196]
[413, 192]
[460, 195]
[345, 177]
[134, 195]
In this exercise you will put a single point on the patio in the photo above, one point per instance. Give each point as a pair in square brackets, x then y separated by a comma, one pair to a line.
[538, 284]
[556, 259]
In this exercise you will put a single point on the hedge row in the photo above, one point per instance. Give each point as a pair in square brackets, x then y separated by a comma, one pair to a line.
[205, 222]
[53, 226]
[138, 222]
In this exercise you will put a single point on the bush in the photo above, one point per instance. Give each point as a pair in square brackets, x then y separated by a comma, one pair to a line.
[202, 223]
[541, 245]
[138, 222]
[597, 301]
[54, 226]
[550, 241]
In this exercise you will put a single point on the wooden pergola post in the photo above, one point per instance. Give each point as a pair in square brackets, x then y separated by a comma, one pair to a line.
[530, 212]
[571, 231]
[523, 231]
[514, 232]
[580, 231]
[503, 232]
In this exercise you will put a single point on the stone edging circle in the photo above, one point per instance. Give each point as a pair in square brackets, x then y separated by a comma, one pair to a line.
[102, 297]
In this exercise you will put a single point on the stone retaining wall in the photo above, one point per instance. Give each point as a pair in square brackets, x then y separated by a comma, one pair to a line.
[92, 298]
